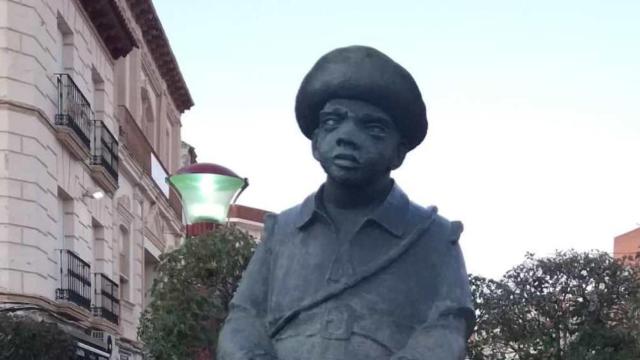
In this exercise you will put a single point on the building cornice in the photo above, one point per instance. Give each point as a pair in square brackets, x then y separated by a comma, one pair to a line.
[65, 309]
[130, 344]
[158, 45]
[110, 23]
[69, 310]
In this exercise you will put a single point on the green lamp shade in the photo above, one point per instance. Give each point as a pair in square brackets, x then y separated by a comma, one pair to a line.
[205, 196]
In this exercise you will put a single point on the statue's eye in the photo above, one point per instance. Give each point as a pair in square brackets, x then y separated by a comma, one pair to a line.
[376, 129]
[329, 121]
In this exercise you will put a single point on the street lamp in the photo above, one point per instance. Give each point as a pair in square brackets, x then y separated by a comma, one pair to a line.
[207, 190]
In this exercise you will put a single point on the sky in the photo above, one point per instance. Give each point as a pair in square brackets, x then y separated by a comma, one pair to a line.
[533, 108]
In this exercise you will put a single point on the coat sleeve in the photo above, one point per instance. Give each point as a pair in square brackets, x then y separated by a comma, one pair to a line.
[452, 319]
[244, 335]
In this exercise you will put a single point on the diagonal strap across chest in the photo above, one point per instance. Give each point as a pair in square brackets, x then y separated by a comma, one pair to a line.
[276, 324]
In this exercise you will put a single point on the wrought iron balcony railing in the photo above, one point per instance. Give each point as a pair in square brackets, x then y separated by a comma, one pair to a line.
[107, 303]
[105, 149]
[74, 110]
[75, 280]
[134, 140]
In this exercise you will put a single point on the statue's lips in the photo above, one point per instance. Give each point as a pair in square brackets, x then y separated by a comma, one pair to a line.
[346, 161]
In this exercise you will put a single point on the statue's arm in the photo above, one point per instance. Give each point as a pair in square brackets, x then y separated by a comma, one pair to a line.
[444, 336]
[244, 335]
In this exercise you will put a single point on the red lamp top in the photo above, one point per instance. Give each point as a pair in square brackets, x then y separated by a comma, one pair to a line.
[206, 168]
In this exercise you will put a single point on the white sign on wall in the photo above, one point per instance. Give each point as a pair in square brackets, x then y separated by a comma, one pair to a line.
[159, 175]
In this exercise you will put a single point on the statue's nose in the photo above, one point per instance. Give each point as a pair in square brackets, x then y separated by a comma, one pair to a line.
[348, 135]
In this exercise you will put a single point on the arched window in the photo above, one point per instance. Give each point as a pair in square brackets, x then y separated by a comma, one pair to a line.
[148, 120]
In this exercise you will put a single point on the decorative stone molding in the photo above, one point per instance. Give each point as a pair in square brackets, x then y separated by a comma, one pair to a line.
[155, 240]
[152, 213]
[125, 202]
[108, 20]
[67, 309]
[125, 211]
[159, 226]
[103, 325]
[28, 110]
[145, 190]
[158, 44]
[152, 77]
[130, 344]
[38, 113]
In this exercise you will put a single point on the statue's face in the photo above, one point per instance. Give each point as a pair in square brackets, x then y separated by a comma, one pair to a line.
[356, 142]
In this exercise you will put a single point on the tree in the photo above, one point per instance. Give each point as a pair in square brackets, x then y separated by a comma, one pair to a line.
[22, 337]
[191, 293]
[569, 306]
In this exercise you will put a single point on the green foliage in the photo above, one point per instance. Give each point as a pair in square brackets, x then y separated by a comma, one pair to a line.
[191, 293]
[22, 337]
[569, 306]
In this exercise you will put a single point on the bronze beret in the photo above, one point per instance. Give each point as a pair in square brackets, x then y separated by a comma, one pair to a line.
[366, 74]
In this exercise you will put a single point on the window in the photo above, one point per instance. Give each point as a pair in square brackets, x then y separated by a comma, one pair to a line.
[150, 265]
[99, 245]
[60, 218]
[98, 94]
[64, 217]
[148, 121]
[167, 150]
[65, 46]
[125, 263]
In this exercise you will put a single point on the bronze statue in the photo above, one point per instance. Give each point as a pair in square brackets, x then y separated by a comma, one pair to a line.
[356, 271]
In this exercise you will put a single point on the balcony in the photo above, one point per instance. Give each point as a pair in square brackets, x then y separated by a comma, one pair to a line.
[107, 303]
[137, 144]
[104, 157]
[73, 120]
[175, 203]
[134, 140]
[75, 280]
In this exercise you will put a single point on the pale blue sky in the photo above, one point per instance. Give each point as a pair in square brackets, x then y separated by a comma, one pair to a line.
[533, 106]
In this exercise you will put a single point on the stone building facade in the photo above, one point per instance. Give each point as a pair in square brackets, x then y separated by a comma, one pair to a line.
[91, 97]
[188, 154]
[245, 218]
[627, 247]
[248, 218]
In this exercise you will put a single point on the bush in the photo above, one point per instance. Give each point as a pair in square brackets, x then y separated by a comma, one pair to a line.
[191, 293]
[573, 305]
[24, 338]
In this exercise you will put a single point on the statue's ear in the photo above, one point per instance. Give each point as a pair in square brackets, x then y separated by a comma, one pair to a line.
[401, 152]
[314, 144]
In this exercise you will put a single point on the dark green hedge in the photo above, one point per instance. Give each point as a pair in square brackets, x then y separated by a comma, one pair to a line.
[24, 338]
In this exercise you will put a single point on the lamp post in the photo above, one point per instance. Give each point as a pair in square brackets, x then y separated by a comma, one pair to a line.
[207, 190]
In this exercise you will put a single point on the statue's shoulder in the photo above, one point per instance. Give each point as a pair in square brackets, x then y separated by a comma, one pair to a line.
[283, 223]
[287, 217]
[440, 226]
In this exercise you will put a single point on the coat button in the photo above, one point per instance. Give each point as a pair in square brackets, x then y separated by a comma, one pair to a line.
[338, 322]
[340, 271]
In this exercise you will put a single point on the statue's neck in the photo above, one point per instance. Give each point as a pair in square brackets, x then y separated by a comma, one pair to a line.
[354, 197]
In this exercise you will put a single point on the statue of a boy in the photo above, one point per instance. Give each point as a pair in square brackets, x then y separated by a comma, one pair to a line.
[357, 271]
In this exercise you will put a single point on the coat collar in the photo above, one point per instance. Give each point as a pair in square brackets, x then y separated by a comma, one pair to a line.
[391, 214]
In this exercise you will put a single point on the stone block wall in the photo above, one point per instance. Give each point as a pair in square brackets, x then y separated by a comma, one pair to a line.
[38, 40]
[43, 186]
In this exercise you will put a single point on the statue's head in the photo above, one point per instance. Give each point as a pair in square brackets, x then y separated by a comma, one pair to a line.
[363, 113]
